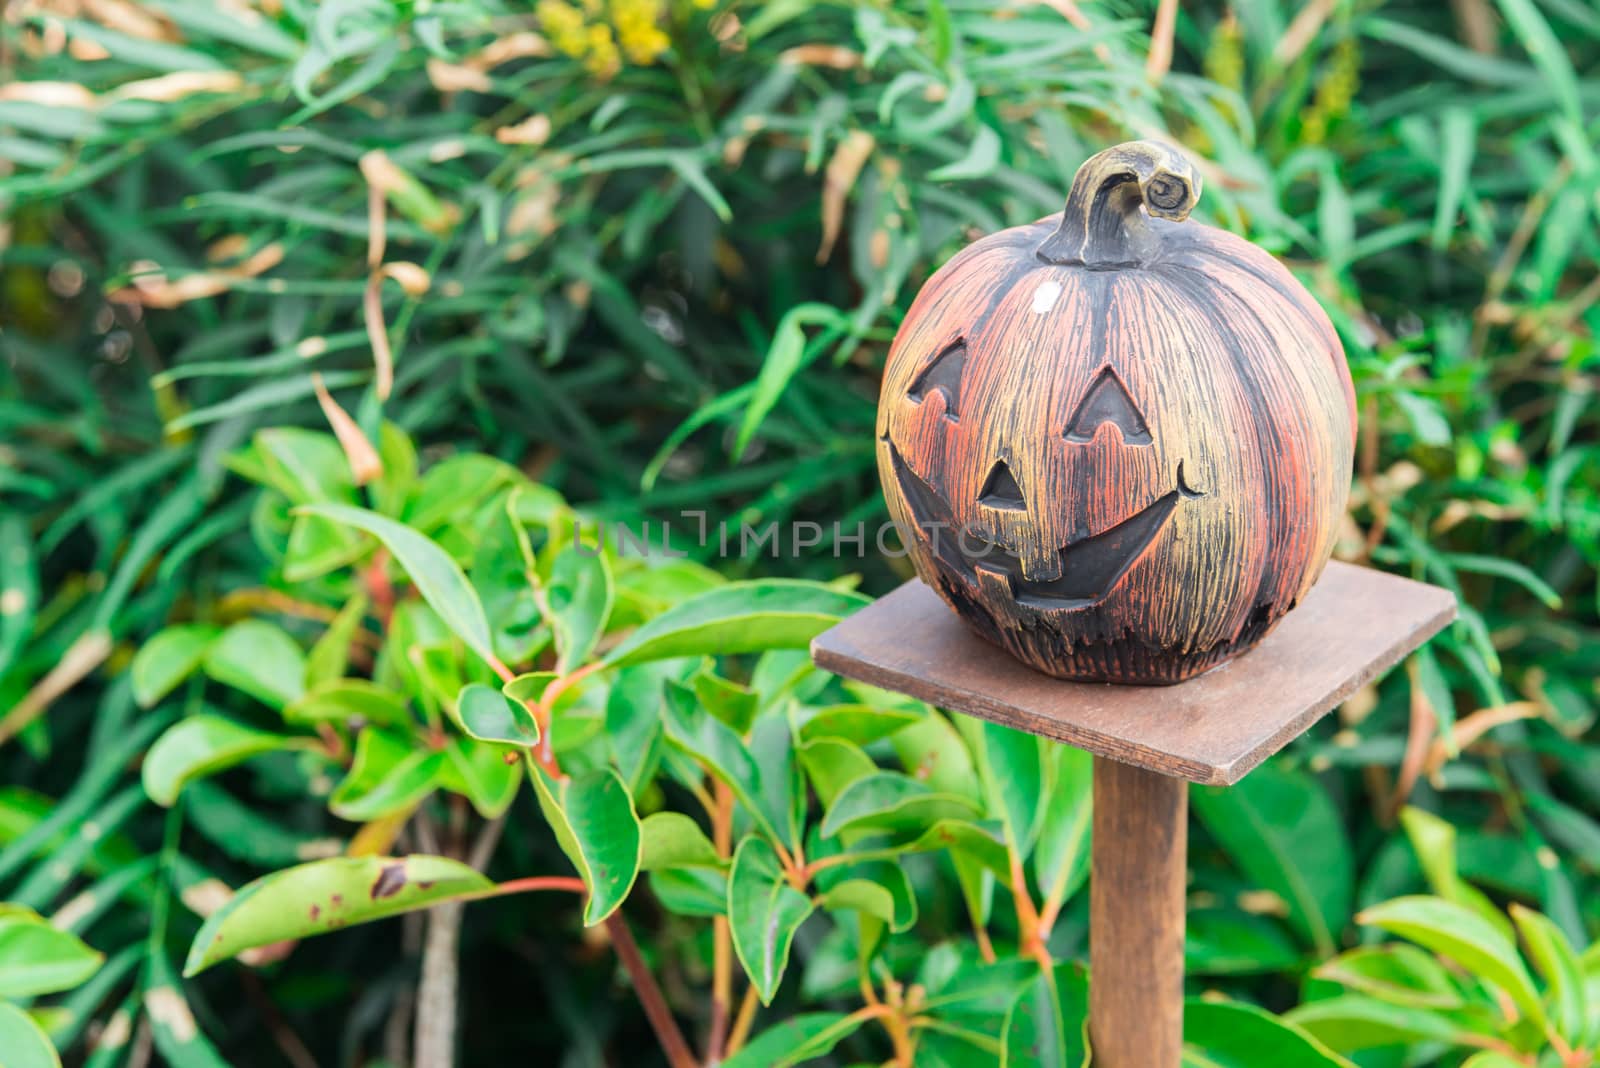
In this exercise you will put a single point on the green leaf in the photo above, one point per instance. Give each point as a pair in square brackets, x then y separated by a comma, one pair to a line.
[1357, 1022]
[23, 1041]
[1226, 941]
[860, 724]
[1231, 1034]
[1061, 857]
[982, 157]
[1015, 774]
[259, 659]
[330, 656]
[741, 617]
[764, 912]
[799, 1038]
[693, 730]
[1434, 842]
[349, 700]
[890, 801]
[691, 891]
[488, 715]
[673, 840]
[832, 765]
[434, 573]
[387, 775]
[479, 773]
[326, 895]
[634, 709]
[860, 895]
[1282, 831]
[168, 658]
[1399, 973]
[36, 958]
[177, 1035]
[1459, 933]
[1553, 955]
[1046, 1026]
[594, 820]
[199, 746]
[968, 839]
[1547, 53]
[578, 596]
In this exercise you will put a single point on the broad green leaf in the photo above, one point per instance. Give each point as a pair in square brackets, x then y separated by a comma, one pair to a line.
[831, 765]
[434, 573]
[934, 752]
[764, 912]
[634, 709]
[799, 1038]
[1231, 1034]
[1281, 829]
[1553, 955]
[783, 788]
[488, 715]
[860, 895]
[1492, 1059]
[691, 891]
[24, 1043]
[387, 775]
[733, 704]
[259, 659]
[578, 597]
[860, 724]
[741, 617]
[696, 732]
[1434, 841]
[1061, 856]
[673, 840]
[348, 701]
[889, 801]
[168, 658]
[479, 772]
[1046, 1026]
[36, 958]
[1227, 941]
[330, 656]
[594, 820]
[1356, 1022]
[326, 895]
[1398, 972]
[968, 839]
[199, 746]
[1459, 933]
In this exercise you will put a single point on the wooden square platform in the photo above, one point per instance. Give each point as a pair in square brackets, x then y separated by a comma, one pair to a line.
[1355, 624]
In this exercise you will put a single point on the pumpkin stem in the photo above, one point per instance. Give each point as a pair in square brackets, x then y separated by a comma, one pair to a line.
[1106, 223]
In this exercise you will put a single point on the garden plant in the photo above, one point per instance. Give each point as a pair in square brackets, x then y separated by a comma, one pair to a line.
[340, 727]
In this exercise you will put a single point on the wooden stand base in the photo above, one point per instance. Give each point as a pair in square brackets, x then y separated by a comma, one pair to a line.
[1213, 729]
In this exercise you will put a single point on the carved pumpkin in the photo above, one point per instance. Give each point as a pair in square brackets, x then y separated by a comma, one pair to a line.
[1118, 443]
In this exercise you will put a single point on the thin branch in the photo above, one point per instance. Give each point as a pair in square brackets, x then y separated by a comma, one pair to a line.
[649, 994]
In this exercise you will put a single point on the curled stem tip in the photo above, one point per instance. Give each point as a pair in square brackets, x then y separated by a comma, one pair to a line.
[1114, 196]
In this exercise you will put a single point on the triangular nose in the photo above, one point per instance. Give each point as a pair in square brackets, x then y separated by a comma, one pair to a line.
[1000, 489]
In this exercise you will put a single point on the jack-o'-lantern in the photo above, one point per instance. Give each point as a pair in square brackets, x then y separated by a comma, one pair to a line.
[1116, 442]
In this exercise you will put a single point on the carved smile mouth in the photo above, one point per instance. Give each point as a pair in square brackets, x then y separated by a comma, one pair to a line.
[1090, 567]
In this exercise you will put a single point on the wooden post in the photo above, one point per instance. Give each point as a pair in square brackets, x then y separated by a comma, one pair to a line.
[1136, 916]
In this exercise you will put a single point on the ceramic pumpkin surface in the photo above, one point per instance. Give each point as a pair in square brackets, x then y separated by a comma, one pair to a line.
[1117, 442]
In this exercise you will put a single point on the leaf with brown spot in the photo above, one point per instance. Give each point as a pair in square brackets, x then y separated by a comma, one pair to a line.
[325, 895]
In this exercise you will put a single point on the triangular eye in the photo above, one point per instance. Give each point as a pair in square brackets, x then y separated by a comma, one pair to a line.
[943, 375]
[1108, 402]
[1000, 489]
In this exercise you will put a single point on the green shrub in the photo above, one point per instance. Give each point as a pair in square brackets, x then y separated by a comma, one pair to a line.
[661, 272]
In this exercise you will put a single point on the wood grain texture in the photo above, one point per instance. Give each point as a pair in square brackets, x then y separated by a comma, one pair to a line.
[1355, 624]
[1117, 444]
[1136, 917]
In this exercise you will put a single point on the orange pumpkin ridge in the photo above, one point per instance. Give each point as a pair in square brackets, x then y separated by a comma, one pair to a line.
[1116, 442]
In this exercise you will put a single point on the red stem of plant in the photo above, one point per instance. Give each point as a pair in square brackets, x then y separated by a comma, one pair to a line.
[568, 883]
[650, 997]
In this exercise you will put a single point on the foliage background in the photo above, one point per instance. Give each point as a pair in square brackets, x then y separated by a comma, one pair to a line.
[653, 252]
